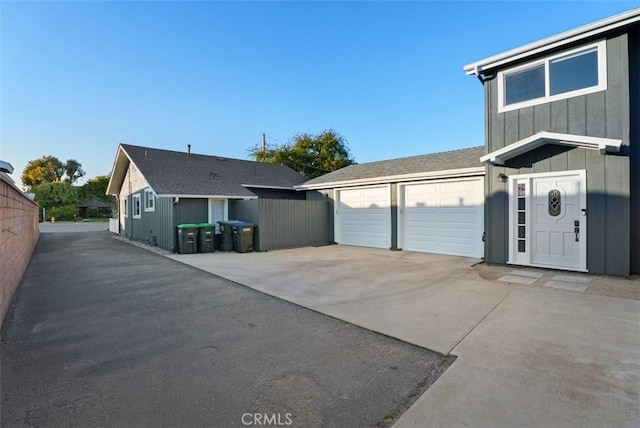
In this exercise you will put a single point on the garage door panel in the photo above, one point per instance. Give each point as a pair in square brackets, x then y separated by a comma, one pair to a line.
[443, 217]
[364, 217]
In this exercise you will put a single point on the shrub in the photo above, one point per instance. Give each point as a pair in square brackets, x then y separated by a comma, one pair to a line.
[62, 213]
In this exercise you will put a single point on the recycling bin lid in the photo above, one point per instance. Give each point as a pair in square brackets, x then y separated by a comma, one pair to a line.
[187, 226]
[206, 225]
[229, 222]
[241, 224]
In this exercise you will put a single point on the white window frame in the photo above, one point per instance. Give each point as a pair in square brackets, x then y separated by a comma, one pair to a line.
[149, 196]
[136, 206]
[601, 46]
[125, 207]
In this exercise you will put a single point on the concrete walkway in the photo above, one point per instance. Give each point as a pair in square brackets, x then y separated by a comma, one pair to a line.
[528, 355]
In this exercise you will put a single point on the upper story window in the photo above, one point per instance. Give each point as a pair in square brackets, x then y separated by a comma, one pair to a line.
[149, 200]
[569, 74]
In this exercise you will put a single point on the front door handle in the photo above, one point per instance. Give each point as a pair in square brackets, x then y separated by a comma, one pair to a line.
[577, 232]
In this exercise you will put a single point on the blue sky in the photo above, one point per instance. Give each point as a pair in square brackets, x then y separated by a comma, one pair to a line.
[77, 78]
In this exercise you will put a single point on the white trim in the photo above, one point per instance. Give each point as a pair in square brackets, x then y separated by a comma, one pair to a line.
[500, 156]
[559, 40]
[268, 187]
[133, 202]
[401, 190]
[601, 49]
[460, 172]
[125, 206]
[171, 195]
[524, 259]
[148, 192]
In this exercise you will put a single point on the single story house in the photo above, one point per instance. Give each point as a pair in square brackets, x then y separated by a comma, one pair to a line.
[158, 189]
[431, 203]
[562, 120]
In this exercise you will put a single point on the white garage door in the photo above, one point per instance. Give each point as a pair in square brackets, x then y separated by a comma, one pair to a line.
[364, 217]
[443, 217]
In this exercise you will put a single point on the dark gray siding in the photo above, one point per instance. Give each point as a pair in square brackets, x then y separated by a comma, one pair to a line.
[603, 114]
[157, 225]
[277, 193]
[191, 211]
[634, 86]
[328, 195]
[284, 223]
[394, 216]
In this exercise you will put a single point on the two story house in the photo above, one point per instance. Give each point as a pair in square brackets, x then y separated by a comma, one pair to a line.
[562, 133]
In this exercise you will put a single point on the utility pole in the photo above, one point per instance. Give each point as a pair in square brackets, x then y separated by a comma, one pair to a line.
[264, 145]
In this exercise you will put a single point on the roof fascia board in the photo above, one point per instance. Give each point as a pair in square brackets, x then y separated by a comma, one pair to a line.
[175, 195]
[590, 30]
[500, 156]
[460, 172]
[110, 191]
[267, 187]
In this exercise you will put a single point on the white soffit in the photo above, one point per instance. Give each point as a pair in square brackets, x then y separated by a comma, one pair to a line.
[500, 156]
[575, 35]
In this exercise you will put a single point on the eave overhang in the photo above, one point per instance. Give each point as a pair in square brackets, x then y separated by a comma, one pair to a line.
[588, 31]
[118, 172]
[500, 156]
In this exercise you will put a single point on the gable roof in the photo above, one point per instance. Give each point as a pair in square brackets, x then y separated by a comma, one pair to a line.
[435, 165]
[171, 173]
[563, 39]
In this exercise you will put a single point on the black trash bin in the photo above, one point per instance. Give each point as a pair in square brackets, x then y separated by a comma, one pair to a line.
[187, 238]
[206, 233]
[226, 230]
[243, 236]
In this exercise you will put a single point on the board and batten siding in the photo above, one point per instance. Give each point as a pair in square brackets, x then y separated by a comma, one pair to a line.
[284, 223]
[602, 114]
[634, 86]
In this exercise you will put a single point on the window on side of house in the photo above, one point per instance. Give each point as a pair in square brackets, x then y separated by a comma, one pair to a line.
[125, 206]
[149, 200]
[136, 206]
[569, 74]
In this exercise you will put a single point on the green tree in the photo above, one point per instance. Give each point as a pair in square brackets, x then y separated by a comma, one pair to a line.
[311, 154]
[47, 169]
[73, 171]
[95, 187]
[56, 194]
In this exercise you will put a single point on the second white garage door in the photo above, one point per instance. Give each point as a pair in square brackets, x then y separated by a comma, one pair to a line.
[363, 217]
[443, 217]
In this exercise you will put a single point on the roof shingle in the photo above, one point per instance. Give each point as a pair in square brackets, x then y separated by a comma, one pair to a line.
[178, 173]
[456, 159]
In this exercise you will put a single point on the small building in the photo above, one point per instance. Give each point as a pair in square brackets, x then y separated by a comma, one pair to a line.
[431, 203]
[563, 149]
[95, 207]
[158, 189]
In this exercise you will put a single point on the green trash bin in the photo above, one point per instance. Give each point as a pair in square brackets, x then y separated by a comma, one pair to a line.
[226, 231]
[243, 236]
[206, 232]
[187, 238]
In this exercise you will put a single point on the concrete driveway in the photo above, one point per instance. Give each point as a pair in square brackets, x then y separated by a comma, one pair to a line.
[528, 355]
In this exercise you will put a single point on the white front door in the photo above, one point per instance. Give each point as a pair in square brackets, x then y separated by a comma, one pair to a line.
[548, 224]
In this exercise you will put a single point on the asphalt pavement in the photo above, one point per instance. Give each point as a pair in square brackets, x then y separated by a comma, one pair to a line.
[102, 333]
